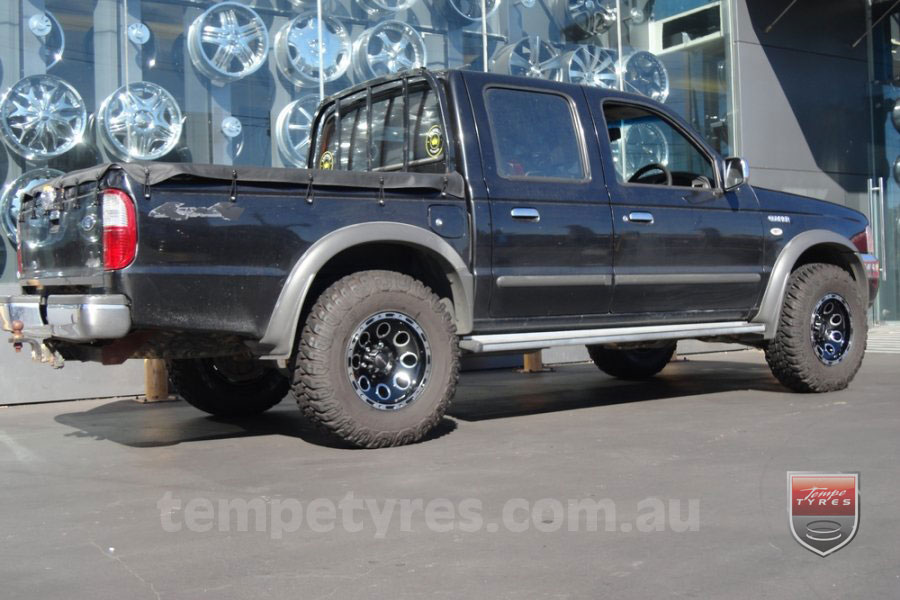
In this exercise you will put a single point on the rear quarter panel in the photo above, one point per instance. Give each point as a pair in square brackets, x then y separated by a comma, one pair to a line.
[205, 263]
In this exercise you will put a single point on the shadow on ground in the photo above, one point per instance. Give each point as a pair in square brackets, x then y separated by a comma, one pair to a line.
[481, 396]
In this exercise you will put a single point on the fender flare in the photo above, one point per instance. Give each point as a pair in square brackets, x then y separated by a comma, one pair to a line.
[278, 340]
[770, 306]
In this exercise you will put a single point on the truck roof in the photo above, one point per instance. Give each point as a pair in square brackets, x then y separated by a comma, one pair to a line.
[445, 74]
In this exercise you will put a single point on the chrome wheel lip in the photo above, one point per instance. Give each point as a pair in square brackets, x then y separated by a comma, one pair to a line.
[142, 113]
[292, 129]
[592, 65]
[301, 64]
[645, 74]
[475, 15]
[34, 103]
[394, 380]
[12, 195]
[529, 57]
[254, 42]
[831, 329]
[377, 53]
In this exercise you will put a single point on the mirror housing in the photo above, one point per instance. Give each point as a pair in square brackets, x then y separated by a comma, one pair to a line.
[737, 172]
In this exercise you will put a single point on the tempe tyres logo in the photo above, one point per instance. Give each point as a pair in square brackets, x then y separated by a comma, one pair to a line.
[823, 509]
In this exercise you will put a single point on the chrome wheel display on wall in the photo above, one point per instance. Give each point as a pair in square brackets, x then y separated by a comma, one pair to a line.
[645, 144]
[297, 50]
[228, 42]
[376, 6]
[292, 129]
[471, 9]
[644, 73]
[587, 18]
[47, 29]
[12, 198]
[389, 47]
[529, 57]
[139, 121]
[41, 117]
[591, 65]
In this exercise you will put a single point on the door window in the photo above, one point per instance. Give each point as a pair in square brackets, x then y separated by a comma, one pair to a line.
[534, 135]
[647, 149]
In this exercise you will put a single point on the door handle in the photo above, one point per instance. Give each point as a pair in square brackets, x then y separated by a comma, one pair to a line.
[640, 217]
[527, 214]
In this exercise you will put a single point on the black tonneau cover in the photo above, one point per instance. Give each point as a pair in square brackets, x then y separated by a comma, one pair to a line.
[153, 173]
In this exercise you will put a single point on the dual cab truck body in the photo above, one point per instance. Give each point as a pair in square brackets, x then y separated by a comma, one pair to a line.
[446, 213]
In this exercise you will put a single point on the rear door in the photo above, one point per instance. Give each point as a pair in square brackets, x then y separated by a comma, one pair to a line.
[551, 224]
[683, 244]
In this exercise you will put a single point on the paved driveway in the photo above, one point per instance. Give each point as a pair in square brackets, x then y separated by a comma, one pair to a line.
[560, 485]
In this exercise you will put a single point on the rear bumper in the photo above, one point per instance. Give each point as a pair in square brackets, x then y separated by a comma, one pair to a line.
[77, 318]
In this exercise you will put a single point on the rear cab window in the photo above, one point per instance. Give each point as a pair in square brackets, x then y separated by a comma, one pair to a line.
[392, 115]
[534, 135]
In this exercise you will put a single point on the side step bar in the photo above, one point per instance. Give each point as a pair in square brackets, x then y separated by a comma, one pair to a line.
[546, 339]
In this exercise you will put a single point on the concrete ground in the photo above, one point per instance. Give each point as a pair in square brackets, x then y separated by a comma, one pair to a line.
[115, 499]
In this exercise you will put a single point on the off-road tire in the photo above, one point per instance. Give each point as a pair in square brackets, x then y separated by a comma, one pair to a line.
[321, 382]
[791, 354]
[635, 364]
[204, 385]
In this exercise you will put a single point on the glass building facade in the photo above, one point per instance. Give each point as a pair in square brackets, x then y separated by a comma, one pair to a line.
[236, 82]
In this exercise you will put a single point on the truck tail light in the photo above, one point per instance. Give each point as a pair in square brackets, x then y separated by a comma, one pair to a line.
[119, 230]
[864, 241]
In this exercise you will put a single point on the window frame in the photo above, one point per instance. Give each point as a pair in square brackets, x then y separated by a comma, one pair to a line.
[577, 126]
[685, 131]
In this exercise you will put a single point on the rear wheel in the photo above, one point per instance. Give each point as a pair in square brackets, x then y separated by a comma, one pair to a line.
[378, 360]
[821, 337]
[637, 363]
[228, 387]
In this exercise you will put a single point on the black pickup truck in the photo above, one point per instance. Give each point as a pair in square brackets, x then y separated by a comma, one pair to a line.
[447, 212]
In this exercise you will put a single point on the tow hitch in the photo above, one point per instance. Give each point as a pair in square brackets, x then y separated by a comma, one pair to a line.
[40, 352]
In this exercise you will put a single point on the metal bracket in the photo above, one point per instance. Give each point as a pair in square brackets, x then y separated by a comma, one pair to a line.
[233, 195]
[309, 190]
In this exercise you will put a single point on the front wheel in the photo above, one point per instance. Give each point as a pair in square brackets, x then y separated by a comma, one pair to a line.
[228, 387]
[378, 360]
[635, 363]
[821, 337]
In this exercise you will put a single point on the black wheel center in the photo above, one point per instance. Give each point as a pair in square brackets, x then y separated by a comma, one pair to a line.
[388, 360]
[830, 329]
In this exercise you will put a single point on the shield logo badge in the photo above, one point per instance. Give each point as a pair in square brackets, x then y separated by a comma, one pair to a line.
[823, 509]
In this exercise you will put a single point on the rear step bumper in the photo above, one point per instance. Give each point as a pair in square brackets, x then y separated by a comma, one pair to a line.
[548, 339]
[78, 318]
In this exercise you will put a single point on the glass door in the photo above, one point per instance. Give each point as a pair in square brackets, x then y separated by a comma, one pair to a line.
[884, 186]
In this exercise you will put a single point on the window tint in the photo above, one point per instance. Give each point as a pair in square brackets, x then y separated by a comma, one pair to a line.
[640, 138]
[426, 138]
[534, 135]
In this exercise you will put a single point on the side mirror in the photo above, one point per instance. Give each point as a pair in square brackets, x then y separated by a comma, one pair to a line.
[737, 172]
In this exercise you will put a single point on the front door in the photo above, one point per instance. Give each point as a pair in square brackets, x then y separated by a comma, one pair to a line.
[682, 244]
[551, 224]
